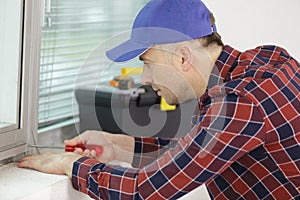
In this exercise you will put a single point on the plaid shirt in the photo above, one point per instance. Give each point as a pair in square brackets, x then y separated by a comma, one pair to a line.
[245, 143]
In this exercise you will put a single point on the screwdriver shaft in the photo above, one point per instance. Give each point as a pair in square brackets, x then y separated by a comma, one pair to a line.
[45, 146]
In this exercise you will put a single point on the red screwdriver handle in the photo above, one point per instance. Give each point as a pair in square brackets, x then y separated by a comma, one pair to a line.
[98, 149]
[69, 148]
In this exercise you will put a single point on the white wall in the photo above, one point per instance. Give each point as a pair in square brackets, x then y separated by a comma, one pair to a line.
[246, 24]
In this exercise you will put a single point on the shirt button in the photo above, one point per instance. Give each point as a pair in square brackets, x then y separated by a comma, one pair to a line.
[79, 187]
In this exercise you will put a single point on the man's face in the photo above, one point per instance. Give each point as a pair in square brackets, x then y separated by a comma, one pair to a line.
[162, 70]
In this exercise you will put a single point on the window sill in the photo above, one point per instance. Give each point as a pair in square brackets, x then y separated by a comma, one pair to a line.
[25, 184]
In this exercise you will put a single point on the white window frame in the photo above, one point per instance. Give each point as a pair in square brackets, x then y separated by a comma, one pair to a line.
[13, 142]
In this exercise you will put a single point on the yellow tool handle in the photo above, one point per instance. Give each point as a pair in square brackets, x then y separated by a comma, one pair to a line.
[164, 106]
[131, 70]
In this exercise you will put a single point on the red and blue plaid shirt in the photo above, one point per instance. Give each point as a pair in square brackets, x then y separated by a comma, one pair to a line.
[245, 143]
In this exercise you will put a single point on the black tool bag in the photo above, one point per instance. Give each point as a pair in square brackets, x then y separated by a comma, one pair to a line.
[134, 112]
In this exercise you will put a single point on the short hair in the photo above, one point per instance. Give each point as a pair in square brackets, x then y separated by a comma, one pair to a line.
[213, 38]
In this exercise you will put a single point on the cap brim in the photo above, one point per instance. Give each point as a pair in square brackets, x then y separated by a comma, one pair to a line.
[127, 51]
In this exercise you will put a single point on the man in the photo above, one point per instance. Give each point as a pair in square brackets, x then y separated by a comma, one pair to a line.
[246, 140]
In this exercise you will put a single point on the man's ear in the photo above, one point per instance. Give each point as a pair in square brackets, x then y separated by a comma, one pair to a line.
[185, 53]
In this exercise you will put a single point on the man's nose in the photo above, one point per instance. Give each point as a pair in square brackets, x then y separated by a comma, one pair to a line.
[146, 76]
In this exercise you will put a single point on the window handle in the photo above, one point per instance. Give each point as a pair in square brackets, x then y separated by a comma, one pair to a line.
[43, 13]
[48, 6]
[46, 12]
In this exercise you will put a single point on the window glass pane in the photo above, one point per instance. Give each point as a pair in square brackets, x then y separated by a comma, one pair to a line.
[10, 11]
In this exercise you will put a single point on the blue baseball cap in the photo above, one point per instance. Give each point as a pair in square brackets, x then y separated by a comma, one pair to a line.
[162, 22]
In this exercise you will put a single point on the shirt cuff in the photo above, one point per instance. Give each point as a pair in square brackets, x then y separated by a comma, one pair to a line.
[137, 152]
[80, 173]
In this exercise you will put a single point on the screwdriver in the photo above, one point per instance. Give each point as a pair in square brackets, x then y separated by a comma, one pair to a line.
[68, 148]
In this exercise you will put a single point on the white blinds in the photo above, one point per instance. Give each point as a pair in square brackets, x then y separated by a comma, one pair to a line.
[72, 29]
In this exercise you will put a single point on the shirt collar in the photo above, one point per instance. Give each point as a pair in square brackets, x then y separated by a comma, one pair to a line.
[225, 64]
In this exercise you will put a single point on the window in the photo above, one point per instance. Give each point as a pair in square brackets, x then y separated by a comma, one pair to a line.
[19, 53]
[10, 20]
[72, 30]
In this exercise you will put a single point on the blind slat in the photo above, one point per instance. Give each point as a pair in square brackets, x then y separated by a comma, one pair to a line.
[54, 100]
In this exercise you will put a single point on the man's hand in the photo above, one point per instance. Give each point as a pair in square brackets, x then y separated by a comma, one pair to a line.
[115, 146]
[94, 138]
[52, 163]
